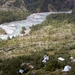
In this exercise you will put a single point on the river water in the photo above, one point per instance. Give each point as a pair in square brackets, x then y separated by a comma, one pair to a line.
[14, 28]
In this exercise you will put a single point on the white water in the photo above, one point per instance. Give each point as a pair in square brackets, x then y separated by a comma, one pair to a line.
[14, 28]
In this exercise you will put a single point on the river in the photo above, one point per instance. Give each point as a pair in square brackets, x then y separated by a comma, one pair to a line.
[14, 28]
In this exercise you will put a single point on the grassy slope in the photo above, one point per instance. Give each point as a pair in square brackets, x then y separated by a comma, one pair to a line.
[53, 41]
[56, 39]
[47, 38]
[54, 34]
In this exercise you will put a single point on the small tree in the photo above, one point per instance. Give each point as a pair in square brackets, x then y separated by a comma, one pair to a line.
[23, 29]
[8, 38]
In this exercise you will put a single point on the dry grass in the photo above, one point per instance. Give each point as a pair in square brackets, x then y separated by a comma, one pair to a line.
[48, 38]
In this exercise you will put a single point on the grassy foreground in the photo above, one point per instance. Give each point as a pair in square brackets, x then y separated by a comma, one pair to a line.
[54, 42]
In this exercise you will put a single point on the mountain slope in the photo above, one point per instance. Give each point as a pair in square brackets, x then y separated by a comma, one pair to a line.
[49, 5]
[36, 5]
[12, 5]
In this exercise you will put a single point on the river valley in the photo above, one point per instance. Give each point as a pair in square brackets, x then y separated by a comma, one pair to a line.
[14, 28]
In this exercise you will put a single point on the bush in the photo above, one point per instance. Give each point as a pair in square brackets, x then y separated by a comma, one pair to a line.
[51, 65]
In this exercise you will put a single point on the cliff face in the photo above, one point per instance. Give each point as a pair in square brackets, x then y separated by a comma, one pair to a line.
[12, 5]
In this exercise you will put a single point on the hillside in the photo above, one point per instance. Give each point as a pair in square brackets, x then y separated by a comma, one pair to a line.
[55, 37]
[13, 10]
[44, 36]
[36, 5]
[12, 5]
[49, 5]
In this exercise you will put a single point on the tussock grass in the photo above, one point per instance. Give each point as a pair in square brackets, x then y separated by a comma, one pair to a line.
[48, 38]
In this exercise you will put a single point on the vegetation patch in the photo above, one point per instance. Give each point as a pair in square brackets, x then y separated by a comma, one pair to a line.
[2, 31]
[8, 16]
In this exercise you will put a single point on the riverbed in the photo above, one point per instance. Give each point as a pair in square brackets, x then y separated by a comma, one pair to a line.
[14, 28]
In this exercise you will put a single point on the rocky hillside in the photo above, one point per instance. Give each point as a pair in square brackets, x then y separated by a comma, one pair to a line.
[12, 5]
[36, 5]
[49, 5]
